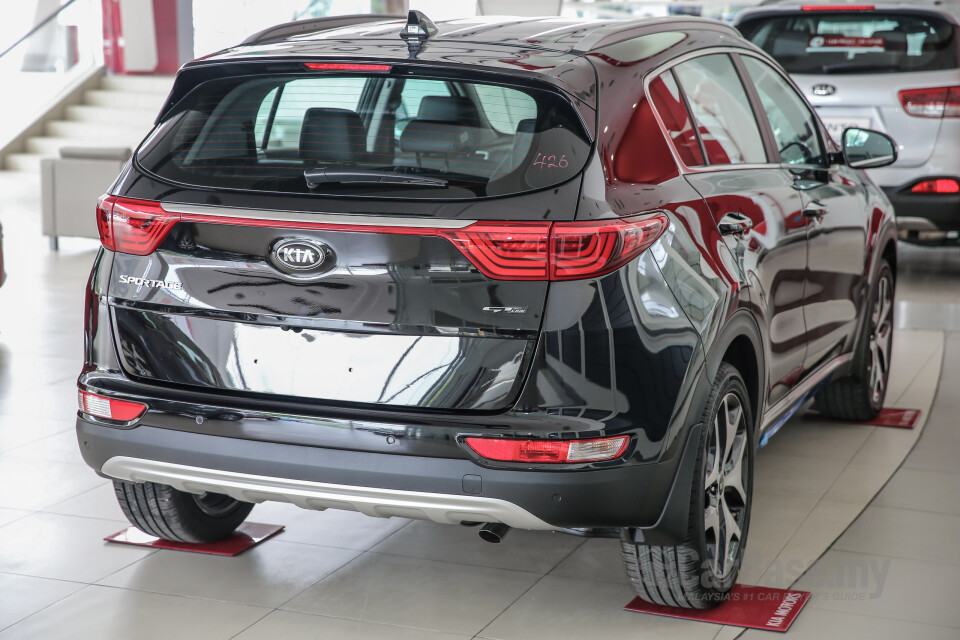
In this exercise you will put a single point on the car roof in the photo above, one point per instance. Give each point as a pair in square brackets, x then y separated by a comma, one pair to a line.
[560, 34]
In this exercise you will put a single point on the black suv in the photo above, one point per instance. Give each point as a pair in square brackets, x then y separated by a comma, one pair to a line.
[528, 273]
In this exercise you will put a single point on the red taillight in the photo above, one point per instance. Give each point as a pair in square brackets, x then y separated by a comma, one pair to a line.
[345, 66]
[935, 186]
[499, 250]
[587, 250]
[837, 7]
[109, 408]
[133, 226]
[549, 451]
[105, 221]
[557, 251]
[935, 102]
[506, 251]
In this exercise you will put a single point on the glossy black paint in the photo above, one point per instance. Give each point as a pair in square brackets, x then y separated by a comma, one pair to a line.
[226, 362]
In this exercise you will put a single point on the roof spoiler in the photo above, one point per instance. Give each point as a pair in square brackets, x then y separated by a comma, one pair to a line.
[287, 29]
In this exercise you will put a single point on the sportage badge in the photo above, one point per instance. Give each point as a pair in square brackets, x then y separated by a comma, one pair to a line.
[302, 257]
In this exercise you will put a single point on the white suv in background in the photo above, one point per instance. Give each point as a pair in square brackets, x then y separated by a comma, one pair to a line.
[894, 68]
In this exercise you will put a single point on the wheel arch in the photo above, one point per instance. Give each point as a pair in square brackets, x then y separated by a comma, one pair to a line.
[739, 344]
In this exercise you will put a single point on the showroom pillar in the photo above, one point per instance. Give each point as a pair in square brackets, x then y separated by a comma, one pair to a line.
[147, 36]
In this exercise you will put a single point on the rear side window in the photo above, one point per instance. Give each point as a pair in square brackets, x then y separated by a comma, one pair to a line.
[666, 97]
[721, 110]
[369, 135]
[828, 42]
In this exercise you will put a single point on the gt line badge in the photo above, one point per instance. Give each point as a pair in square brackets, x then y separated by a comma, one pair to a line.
[146, 282]
[505, 309]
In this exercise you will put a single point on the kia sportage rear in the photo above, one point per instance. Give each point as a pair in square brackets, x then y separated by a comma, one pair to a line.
[540, 274]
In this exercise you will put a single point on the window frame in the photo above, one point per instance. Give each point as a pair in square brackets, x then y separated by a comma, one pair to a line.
[766, 132]
[734, 62]
[767, 128]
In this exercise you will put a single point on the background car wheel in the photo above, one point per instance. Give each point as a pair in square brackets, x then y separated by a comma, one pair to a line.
[860, 396]
[168, 513]
[699, 573]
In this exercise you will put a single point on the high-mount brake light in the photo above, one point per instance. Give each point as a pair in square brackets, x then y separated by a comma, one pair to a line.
[345, 66]
[109, 408]
[937, 186]
[837, 7]
[934, 102]
[132, 226]
[549, 451]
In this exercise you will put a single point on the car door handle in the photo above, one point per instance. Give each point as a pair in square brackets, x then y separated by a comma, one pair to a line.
[734, 224]
[814, 210]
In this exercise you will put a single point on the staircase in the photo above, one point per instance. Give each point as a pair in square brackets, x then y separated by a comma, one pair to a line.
[119, 113]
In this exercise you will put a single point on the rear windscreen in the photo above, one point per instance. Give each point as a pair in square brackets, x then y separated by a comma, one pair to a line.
[862, 42]
[368, 134]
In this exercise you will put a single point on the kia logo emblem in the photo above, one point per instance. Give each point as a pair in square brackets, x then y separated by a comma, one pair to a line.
[302, 257]
[824, 89]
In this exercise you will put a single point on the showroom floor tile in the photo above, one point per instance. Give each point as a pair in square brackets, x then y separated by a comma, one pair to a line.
[94, 613]
[343, 575]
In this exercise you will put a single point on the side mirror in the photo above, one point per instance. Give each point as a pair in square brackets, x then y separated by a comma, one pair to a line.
[866, 149]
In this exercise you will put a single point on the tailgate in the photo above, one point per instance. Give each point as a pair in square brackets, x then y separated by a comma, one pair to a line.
[395, 319]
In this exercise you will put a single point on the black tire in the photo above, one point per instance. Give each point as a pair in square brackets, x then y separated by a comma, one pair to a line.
[690, 575]
[860, 396]
[165, 512]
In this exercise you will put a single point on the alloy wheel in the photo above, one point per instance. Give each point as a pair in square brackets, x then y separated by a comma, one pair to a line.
[881, 338]
[725, 500]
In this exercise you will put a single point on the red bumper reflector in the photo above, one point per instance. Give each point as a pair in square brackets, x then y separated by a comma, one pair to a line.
[937, 186]
[552, 451]
[109, 408]
[345, 66]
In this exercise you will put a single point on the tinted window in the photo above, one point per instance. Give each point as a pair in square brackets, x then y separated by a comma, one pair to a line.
[861, 42]
[263, 134]
[794, 127]
[722, 111]
[666, 97]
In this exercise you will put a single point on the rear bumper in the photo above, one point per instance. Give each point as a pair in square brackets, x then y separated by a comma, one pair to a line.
[378, 484]
[923, 216]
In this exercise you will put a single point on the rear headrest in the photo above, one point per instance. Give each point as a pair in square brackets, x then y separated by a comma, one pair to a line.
[428, 136]
[456, 109]
[790, 44]
[332, 135]
[892, 40]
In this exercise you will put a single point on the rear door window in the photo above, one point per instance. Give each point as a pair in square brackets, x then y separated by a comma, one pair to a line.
[368, 135]
[721, 110]
[836, 42]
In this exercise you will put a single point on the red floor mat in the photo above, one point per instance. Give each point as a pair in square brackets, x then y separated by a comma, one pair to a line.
[746, 606]
[248, 535]
[900, 418]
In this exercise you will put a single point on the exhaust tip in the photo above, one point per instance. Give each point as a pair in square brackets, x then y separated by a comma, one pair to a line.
[494, 532]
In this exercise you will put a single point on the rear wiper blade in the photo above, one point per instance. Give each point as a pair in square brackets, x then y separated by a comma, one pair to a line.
[325, 175]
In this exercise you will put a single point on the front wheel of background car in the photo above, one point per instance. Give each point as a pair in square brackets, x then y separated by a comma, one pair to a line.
[165, 512]
[860, 396]
[699, 573]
